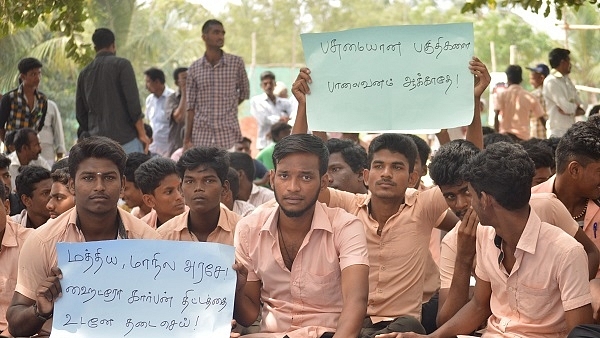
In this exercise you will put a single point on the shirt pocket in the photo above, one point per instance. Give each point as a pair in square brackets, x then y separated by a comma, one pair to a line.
[7, 289]
[402, 246]
[535, 303]
[323, 290]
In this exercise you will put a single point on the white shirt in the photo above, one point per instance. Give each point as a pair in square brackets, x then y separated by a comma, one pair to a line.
[242, 208]
[21, 218]
[159, 121]
[260, 195]
[562, 100]
[52, 137]
[13, 169]
[267, 114]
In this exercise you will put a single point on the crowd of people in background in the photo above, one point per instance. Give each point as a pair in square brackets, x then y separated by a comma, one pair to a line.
[333, 237]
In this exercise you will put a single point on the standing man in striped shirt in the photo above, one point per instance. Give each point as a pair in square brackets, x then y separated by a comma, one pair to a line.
[217, 83]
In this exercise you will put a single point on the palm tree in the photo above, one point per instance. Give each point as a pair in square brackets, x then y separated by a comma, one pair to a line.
[583, 46]
[159, 33]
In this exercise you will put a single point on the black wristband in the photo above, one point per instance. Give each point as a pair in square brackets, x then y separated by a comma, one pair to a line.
[39, 315]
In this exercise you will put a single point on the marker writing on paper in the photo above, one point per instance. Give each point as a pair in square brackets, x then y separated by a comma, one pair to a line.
[200, 269]
[151, 263]
[425, 81]
[442, 45]
[92, 323]
[359, 84]
[93, 258]
[149, 325]
[341, 48]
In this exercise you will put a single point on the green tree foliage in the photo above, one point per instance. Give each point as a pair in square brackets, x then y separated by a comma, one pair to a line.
[583, 45]
[273, 27]
[506, 29]
[62, 16]
[532, 5]
[160, 33]
[167, 34]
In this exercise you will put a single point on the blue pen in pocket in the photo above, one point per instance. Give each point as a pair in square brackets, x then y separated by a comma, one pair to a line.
[595, 228]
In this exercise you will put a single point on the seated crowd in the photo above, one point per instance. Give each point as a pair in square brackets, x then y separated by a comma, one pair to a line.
[335, 240]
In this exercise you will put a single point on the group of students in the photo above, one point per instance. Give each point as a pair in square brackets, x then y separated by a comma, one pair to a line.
[343, 251]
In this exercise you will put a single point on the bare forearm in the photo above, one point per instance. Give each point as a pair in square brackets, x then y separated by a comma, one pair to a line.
[443, 136]
[301, 123]
[474, 131]
[23, 321]
[189, 124]
[351, 318]
[465, 321]
[179, 113]
[139, 127]
[458, 294]
[245, 311]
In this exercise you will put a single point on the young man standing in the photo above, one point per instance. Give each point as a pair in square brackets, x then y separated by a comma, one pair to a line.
[96, 166]
[25, 106]
[537, 125]
[175, 109]
[156, 110]
[217, 83]
[268, 109]
[306, 263]
[515, 106]
[108, 101]
[562, 101]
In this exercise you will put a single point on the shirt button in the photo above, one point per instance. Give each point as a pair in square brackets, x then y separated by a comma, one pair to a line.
[379, 291]
[383, 268]
[510, 288]
[295, 283]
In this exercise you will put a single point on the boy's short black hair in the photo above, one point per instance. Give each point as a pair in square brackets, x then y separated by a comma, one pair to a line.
[28, 177]
[150, 173]
[27, 64]
[396, 143]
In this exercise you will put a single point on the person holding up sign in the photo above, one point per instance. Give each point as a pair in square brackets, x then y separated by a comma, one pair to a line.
[96, 166]
[306, 263]
[398, 220]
